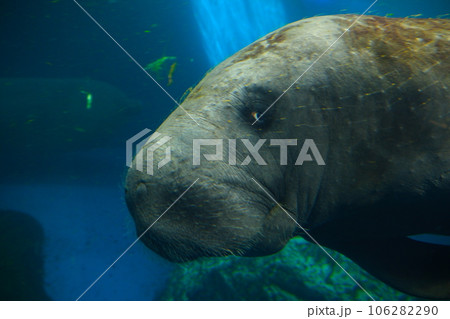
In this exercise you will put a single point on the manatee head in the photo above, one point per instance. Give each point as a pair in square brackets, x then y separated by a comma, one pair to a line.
[227, 210]
[231, 209]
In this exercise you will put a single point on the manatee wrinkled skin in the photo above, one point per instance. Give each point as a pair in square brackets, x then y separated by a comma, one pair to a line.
[375, 104]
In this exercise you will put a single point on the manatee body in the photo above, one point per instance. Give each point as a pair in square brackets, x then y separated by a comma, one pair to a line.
[376, 106]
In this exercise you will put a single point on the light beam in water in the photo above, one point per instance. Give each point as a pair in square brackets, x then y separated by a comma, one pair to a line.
[227, 26]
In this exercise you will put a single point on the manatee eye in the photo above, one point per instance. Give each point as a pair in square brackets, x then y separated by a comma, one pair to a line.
[256, 116]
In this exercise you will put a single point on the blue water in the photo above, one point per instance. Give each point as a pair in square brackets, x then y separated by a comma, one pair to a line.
[255, 19]
[77, 196]
[86, 228]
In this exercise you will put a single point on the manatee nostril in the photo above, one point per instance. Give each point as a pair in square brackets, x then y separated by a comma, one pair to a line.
[141, 190]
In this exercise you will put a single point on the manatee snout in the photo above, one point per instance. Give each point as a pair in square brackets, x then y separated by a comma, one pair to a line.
[222, 213]
[198, 224]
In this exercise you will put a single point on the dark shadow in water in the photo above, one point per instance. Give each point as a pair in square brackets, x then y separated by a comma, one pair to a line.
[21, 259]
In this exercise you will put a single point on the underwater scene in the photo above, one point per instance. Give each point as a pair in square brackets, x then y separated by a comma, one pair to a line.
[225, 150]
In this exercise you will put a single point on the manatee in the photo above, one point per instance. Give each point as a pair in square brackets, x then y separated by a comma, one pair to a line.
[50, 115]
[47, 125]
[376, 106]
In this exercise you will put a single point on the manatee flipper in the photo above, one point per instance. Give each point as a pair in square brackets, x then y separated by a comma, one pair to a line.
[411, 266]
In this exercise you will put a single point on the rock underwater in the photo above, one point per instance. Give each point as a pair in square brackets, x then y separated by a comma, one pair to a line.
[301, 271]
